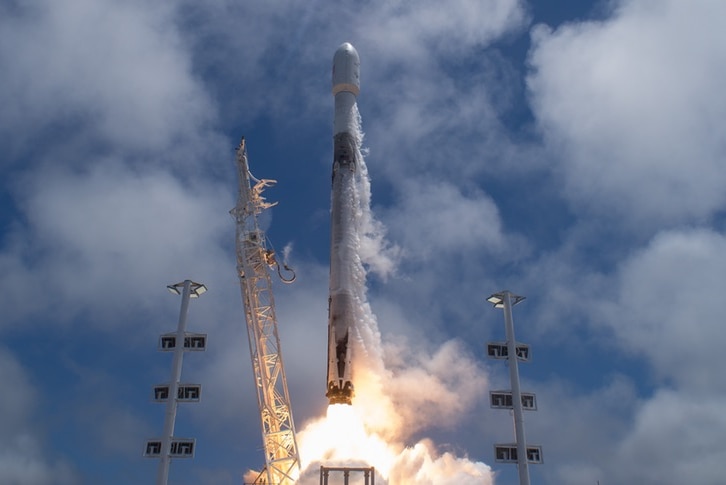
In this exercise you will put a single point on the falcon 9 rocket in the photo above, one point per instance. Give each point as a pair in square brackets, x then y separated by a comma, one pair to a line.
[343, 236]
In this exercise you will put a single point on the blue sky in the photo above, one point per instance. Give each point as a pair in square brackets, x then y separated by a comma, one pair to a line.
[571, 152]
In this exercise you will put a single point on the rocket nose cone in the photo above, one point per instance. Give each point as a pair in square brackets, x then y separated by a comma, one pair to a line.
[346, 70]
[346, 49]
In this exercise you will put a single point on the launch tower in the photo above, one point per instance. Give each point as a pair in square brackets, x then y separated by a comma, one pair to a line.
[254, 259]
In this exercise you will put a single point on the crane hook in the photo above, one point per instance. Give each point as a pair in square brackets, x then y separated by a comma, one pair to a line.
[289, 269]
[271, 260]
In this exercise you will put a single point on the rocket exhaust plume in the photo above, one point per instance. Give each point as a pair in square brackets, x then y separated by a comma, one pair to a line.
[343, 230]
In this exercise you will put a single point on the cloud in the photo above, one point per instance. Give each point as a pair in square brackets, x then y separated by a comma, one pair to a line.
[659, 308]
[118, 68]
[631, 109]
[417, 30]
[630, 112]
[23, 458]
[435, 217]
[86, 228]
[682, 433]
[406, 53]
[578, 428]
[669, 306]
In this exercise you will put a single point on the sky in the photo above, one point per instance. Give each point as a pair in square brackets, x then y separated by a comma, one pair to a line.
[568, 151]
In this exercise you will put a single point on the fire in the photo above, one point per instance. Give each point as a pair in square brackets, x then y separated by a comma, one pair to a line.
[341, 438]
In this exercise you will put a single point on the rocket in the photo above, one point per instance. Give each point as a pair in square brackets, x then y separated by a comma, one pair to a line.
[343, 237]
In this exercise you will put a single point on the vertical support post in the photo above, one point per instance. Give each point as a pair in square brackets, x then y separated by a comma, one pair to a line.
[522, 462]
[162, 476]
[369, 474]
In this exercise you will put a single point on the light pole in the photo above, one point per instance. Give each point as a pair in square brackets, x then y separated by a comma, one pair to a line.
[189, 289]
[507, 300]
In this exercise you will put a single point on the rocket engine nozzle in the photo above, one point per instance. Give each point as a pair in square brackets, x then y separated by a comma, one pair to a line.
[336, 395]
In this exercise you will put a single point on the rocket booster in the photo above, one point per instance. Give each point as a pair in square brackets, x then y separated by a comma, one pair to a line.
[341, 311]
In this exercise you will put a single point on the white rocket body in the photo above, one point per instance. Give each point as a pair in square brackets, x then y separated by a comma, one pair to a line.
[341, 314]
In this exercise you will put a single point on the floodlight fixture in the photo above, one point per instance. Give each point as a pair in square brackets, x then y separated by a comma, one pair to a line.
[497, 299]
[195, 289]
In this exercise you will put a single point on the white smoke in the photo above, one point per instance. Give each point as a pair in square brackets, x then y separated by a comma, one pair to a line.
[398, 390]
[421, 465]
[375, 251]
[287, 252]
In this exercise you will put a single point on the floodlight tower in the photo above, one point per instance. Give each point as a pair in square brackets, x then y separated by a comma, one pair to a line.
[168, 447]
[519, 452]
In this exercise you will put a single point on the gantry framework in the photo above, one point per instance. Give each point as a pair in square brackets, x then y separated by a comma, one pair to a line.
[282, 464]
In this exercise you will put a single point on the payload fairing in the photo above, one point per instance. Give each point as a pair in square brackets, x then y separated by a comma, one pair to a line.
[343, 235]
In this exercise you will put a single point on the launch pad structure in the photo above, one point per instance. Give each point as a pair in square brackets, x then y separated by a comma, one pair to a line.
[369, 474]
[254, 259]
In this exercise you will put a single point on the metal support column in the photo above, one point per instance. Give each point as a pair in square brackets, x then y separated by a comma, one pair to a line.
[185, 447]
[522, 463]
[162, 476]
[513, 353]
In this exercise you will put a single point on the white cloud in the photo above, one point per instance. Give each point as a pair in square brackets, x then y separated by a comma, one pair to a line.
[407, 32]
[631, 107]
[676, 438]
[435, 217]
[578, 430]
[84, 230]
[406, 51]
[631, 112]
[120, 68]
[22, 455]
[661, 308]
[670, 306]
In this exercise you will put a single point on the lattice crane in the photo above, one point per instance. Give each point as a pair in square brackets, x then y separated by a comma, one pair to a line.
[254, 261]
